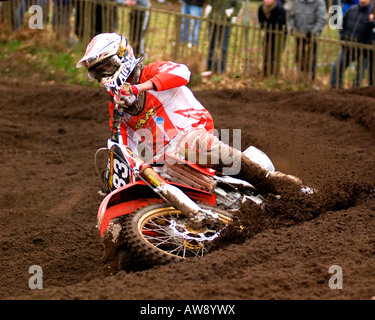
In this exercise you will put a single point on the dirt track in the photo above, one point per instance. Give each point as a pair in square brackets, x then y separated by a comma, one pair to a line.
[49, 200]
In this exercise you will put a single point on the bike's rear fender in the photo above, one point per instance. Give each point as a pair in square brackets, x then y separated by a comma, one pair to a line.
[134, 196]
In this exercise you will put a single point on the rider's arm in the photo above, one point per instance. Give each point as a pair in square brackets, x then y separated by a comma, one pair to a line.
[163, 75]
[145, 86]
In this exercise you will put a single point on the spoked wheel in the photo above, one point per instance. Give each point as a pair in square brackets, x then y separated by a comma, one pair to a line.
[160, 234]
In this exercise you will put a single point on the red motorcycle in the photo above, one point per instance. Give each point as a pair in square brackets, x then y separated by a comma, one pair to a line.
[158, 213]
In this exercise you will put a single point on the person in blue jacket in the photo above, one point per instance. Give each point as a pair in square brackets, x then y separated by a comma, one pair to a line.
[347, 4]
[190, 27]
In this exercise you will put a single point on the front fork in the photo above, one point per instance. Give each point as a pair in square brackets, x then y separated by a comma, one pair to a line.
[174, 196]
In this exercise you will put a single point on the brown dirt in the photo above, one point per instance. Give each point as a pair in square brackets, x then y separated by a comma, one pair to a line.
[49, 199]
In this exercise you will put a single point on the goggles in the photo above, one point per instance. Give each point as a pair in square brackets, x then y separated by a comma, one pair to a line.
[107, 67]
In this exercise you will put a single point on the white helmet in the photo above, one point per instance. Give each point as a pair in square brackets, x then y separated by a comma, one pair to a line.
[109, 56]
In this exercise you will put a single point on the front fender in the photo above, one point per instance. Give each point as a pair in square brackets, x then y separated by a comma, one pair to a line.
[134, 196]
[123, 201]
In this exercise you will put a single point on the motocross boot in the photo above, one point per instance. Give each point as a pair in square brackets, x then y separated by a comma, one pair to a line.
[266, 181]
[260, 177]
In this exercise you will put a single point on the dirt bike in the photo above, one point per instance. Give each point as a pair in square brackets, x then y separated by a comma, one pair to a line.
[155, 214]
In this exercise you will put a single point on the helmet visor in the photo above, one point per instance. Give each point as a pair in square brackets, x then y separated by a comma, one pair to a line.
[107, 67]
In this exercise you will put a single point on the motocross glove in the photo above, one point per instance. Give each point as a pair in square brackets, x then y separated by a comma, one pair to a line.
[126, 94]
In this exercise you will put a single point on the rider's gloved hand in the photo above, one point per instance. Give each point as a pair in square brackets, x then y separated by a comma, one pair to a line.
[126, 94]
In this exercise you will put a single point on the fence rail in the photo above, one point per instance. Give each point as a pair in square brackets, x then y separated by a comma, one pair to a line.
[253, 53]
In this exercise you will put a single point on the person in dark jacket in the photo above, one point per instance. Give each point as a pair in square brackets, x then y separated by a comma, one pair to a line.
[347, 4]
[139, 19]
[272, 18]
[61, 14]
[356, 28]
[372, 52]
[102, 17]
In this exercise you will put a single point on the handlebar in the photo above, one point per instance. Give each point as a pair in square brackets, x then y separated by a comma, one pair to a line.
[118, 113]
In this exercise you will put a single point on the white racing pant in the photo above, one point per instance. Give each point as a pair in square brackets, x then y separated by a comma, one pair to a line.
[205, 149]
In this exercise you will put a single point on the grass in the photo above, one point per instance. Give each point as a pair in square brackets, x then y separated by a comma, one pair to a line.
[7, 48]
[37, 56]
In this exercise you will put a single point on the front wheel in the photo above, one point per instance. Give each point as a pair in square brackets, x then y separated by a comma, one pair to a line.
[159, 234]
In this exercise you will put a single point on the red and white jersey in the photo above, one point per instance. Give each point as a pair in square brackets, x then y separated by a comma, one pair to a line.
[168, 110]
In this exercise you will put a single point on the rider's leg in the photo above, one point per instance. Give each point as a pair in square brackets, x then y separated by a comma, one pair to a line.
[202, 147]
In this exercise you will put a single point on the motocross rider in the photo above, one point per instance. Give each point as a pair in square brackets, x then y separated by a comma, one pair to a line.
[156, 101]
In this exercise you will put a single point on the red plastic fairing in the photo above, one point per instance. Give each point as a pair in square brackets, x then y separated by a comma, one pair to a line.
[124, 208]
[124, 195]
[134, 196]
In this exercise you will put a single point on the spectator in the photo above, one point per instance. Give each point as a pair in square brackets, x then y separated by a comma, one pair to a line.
[19, 12]
[190, 27]
[23, 6]
[79, 20]
[221, 14]
[106, 16]
[272, 18]
[347, 4]
[308, 17]
[139, 18]
[61, 14]
[103, 15]
[372, 52]
[356, 28]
